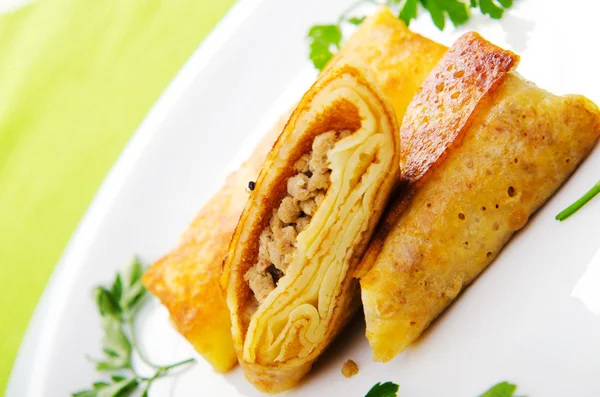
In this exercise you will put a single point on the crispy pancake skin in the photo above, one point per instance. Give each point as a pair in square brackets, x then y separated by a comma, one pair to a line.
[186, 279]
[314, 299]
[457, 87]
[493, 173]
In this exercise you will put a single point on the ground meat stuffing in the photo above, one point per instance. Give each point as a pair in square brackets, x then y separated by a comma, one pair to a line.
[349, 369]
[305, 192]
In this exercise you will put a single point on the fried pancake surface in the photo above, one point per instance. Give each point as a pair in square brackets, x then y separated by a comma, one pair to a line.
[483, 149]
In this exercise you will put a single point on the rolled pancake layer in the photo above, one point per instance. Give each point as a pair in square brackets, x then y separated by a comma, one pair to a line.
[185, 279]
[483, 150]
[278, 339]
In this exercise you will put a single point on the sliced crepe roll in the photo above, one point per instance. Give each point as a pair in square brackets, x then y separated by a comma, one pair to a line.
[482, 150]
[288, 277]
[185, 279]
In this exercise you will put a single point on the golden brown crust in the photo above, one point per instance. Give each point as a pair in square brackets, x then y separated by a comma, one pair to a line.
[444, 106]
[186, 279]
[437, 118]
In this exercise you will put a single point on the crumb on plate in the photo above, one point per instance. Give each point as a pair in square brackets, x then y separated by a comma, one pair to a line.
[349, 369]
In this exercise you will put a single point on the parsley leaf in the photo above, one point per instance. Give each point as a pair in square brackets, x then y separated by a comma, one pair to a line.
[502, 389]
[108, 306]
[116, 346]
[99, 385]
[493, 8]
[123, 388]
[456, 10]
[136, 271]
[133, 289]
[117, 288]
[437, 14]
[356, 21]
[85, 393]
[322, 38]
[409, 11]
[387, 389]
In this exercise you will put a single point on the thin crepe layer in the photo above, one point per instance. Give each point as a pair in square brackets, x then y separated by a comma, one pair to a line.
[184, 280]
[479, 164]
[278, 343]
[187, 279]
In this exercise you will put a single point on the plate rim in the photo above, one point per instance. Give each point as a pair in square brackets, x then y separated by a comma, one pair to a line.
[131, 176]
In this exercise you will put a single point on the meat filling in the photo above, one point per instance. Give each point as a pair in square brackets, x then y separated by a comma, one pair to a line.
[305, 192]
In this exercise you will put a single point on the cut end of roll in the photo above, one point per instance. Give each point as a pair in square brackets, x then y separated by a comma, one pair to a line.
[289, 272]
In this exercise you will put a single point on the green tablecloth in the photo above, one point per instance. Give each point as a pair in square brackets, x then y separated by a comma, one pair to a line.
[76, 79]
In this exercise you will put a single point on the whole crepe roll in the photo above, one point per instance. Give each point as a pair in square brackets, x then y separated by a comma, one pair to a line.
[482, 150]
[185, 279]
[288, 277]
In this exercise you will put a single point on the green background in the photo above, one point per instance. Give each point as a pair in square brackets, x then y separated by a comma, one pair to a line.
[76, 79]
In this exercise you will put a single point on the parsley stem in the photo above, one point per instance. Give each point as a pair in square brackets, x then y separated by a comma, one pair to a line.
[160, 372]
[134, 344]
[570, 210]
[147, 388]
[149, 381]
[178, 364]
[352, 7]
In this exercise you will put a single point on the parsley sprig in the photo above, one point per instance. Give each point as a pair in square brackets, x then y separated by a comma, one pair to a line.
[118, 305]
[325, 40]
[390, 389]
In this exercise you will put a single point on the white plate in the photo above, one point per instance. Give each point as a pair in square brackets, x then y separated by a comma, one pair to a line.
[518, 322]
